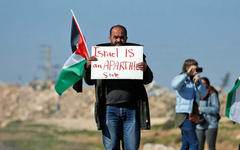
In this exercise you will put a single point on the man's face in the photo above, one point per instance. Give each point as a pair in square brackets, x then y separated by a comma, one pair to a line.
[193, 70]
[118, 36]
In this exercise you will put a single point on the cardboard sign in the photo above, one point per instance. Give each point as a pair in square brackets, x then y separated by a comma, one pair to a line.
[116, 62]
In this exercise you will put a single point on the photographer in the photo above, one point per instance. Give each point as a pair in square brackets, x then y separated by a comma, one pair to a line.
[189, 89]
[209, 109]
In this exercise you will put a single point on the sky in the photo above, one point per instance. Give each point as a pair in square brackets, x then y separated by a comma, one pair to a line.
[170, 30]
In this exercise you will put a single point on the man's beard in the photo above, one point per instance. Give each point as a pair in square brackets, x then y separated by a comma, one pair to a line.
[118, 44]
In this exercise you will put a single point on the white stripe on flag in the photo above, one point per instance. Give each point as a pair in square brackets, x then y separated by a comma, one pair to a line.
[72, 60]
[235, 108]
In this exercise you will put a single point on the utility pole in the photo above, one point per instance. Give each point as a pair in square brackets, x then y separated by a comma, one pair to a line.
[48, 62]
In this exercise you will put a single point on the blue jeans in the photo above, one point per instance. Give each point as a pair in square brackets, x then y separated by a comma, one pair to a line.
[121, 124]
[189, 136]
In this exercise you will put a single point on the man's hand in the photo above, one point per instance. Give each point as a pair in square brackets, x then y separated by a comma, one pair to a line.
[194, 118]
[196, 79]
[192, 70]
[142, 66]
[92, 58]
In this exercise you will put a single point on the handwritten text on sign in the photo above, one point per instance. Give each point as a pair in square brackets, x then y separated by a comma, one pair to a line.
[116, 62]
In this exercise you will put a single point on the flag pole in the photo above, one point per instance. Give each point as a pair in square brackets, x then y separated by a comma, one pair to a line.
[79, 29]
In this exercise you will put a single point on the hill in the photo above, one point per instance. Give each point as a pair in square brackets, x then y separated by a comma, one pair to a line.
[38, 101]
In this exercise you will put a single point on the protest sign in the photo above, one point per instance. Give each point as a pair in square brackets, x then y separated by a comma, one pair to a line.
[116, 62]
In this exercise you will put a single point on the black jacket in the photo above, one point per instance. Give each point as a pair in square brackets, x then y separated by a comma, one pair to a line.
[142, 99]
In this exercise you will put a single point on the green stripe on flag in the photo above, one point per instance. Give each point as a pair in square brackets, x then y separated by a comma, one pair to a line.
[69, 76]
[231, 99]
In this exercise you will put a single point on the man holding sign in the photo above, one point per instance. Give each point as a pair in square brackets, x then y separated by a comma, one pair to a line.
[121, 108]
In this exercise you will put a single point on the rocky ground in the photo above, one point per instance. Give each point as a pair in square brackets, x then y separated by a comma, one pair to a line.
[38, 101]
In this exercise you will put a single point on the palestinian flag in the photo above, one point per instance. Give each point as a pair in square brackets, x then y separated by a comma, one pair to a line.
[233, 103]
[72, 70]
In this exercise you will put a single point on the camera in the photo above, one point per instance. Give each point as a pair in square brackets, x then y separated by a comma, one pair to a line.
[199, 69]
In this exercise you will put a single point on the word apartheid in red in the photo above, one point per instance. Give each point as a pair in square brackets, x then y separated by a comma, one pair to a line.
[116, 65]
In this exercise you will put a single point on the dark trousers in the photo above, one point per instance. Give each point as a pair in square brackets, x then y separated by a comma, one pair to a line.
[189, 137]
[210, 135]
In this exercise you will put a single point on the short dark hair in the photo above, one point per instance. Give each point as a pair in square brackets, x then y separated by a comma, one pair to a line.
[124, 29]
[188, 62]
